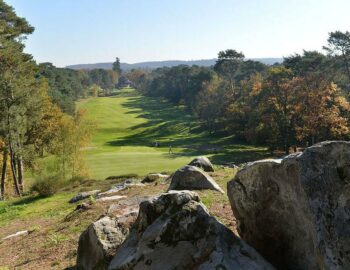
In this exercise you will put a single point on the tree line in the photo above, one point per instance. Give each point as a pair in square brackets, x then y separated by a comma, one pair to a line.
[40, 129]
[287, 105]
[67, 85]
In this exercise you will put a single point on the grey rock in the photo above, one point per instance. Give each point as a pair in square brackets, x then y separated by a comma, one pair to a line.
[202, 163]
[119, 187]
[84, 195]
[230, 165]
[175, 231]
[127, 206]
[192, 178]
[20, 233]
[154, 177]
[296, 211]
[99, 242]
[111, 198]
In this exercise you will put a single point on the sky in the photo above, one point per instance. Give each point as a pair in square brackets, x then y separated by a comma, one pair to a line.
[92, 31]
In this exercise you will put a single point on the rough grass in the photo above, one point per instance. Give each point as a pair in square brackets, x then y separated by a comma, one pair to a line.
[52, 244]
[128, 125]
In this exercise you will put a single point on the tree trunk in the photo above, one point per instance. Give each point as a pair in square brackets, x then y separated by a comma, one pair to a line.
[3, 174]
[20, 173]
[286, 140]
[13, 169]
[347, 66]
[286, 148]
[348, 70]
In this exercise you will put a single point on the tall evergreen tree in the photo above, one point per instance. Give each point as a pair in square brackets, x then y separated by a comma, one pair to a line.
[228, 64]
[116, 66]
[13, 30]
[339, 46]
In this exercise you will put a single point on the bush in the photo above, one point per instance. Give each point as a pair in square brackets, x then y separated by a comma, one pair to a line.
[47, 185]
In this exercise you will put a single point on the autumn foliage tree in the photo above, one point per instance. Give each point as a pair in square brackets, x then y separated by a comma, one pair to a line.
[299, 110]
[211, 102]
[30, 123]
[322, 110]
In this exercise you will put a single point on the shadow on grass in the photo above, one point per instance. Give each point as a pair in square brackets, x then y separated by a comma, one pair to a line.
[28, 200]
[225, 155]
[173, 125]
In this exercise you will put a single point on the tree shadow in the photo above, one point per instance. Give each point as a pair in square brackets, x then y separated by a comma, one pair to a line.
[28, 200]
[228, 155]
[173, 125]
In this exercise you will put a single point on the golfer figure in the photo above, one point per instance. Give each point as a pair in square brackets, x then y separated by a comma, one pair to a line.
[170, 149]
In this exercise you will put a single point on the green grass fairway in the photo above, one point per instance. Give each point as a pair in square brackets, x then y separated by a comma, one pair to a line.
[129, 124]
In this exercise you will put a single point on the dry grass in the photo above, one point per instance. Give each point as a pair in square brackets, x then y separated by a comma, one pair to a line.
[53, 242]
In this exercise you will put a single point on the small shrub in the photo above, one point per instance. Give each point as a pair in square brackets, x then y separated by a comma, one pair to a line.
[77, 179]
[55, 239]
[92, 199]
[47, 185]
[35, 228]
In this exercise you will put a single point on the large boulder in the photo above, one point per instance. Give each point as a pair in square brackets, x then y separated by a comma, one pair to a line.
[99, 242]
[296, 211]
[192, 178]
[202, 163]
[175, 231]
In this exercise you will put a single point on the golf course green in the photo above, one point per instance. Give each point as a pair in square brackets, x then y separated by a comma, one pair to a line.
[128, 126]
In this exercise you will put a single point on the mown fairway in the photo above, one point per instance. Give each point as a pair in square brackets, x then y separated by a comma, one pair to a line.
[129, 124]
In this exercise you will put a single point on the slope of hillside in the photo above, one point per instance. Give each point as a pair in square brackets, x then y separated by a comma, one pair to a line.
[129, 125]
[168, 63]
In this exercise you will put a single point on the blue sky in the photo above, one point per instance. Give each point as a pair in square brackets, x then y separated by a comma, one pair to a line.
[90, 31]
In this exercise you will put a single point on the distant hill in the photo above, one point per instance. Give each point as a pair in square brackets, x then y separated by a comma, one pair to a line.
[168, 63]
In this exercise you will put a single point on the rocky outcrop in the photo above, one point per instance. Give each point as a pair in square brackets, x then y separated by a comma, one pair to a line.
[108, 195]
[192, 178]
[154, 177]
[127, 206]
[99, 242]
[296, 211]
[175, 231]
[110, 198]
[84, 195]
[119, 187]
[202, 163]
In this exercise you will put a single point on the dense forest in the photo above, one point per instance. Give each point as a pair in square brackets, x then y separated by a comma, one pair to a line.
[294, 104]
[67, 85]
